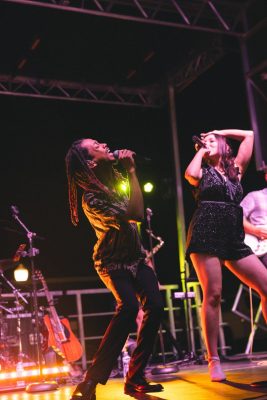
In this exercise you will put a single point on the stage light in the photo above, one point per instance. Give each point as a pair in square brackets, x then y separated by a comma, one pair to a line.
[148, 187]
[123, 187]
[21, 273]
[35, 372]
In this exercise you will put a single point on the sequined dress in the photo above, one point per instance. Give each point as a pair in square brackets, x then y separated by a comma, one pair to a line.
[216, 227]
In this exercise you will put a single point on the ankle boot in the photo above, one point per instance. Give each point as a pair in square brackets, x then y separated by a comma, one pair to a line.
[84, 391]
[215, 369]
[140, 385]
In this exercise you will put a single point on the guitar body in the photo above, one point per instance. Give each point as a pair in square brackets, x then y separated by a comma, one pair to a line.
[258, 246]
[69, 349]
[59, 335]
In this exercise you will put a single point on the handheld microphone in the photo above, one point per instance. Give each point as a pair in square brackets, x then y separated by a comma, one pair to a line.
[198, 141]
[139, 159]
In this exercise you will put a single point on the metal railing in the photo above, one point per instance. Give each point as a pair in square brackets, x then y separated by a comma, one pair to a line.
[82, 317]
[74, 305]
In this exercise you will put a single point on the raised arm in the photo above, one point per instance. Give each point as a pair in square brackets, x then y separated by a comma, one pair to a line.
[135, 210]
[245, 148]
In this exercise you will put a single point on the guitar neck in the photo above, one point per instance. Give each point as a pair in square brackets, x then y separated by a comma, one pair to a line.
[54, 315]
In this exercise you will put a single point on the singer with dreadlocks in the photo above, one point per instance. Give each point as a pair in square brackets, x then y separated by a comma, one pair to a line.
[118, 259]
[216, 234]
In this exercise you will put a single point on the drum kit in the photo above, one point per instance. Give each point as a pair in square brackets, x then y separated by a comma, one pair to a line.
[14, 348]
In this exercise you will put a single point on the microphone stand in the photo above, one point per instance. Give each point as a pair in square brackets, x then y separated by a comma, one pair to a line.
[32, 252]
[164, 369]
[190, 355]
[16, 292]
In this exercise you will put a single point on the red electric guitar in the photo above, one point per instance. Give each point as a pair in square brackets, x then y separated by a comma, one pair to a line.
[60, 336]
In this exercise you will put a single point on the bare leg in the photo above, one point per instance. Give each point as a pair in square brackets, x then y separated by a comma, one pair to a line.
[253, 273]
[209, 272]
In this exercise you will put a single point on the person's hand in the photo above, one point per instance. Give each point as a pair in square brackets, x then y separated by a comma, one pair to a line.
[261, 232]
[203, 135]
[126, 159]
[203, 150]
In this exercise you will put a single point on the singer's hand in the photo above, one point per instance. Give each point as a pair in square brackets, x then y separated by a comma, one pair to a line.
[201, 149]
[126, 159]
[215, 132]
[200, 145]
[261, 232]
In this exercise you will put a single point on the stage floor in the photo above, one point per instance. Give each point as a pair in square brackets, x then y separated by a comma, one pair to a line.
[191, 382]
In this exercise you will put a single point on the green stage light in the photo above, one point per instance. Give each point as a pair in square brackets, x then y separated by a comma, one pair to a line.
[148, 187]
[123, 187]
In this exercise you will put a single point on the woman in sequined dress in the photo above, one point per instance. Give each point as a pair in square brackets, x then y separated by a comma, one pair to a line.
[216, 235]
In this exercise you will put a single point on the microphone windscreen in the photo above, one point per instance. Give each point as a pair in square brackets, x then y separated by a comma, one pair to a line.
[116, 154]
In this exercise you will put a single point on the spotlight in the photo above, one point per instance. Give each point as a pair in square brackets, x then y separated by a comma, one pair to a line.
[148, 187]
[123, 187]
[21, 273]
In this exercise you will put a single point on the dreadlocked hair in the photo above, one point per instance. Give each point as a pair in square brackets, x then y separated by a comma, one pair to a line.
[80, 175]
[227, 160]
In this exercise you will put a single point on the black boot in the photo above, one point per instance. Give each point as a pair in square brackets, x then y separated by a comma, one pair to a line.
[84, 391]
[141, 385]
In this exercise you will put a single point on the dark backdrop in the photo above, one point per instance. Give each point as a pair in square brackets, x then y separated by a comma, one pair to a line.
[35, 135]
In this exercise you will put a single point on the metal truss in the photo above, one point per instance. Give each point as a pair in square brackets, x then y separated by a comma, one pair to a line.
[22, 86]
[148, 97]
[216, 16]
[258, 79]
[152, 96]
[196, 66]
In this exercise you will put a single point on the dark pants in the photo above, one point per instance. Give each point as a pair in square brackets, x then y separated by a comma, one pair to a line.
[127, 290]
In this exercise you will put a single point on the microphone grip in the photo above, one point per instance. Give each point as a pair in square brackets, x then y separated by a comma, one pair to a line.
[138, 158]
[198, 141]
